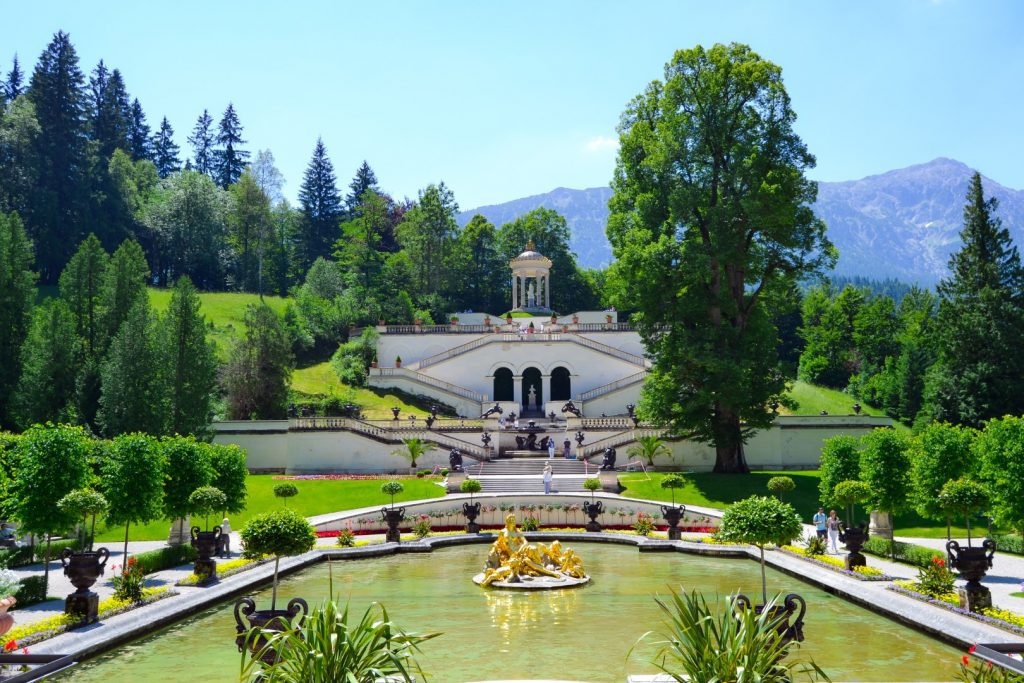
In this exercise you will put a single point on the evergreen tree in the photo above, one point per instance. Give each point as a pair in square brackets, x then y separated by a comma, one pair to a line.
[365, 179]
[110, 111]
[132, 398]
[231, 159]
[138, 134]
[980, 371]
[14, 86]
[202, 145]
[321, 209]
[17, 291]
[57, 90]
[249, 230]
[124, 285]
[81, 284]
[257, 374]
[165, 150]
[48, 366]
[481, 268]
[189, 362]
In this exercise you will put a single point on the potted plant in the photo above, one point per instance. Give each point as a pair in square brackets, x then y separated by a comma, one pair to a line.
[967, 496]
[373, 361]
[487, 321]
[279, 534]
[392, 516]
[848, 494]
[286, 491]
[554, 319]
[203, 502]
[83, 568]
[508, 318]
[398, 361]
[455, 320]
[530, 328]
[380, 322]
[592, 508]
[761, 521]
[780, 485]
[9, 586]
[608, 318]
[471, 509]
[575, 319]
[673, 514]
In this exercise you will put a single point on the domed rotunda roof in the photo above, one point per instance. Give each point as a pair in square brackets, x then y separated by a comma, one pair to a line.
[531, 254]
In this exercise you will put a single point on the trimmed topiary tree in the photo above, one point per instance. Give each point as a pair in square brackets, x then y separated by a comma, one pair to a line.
[470, 486]
[593, 484]
[1000, 449]
[230, 475]
[279, 533]
[392, 488]
[964, 496]
[848, 494]
[759, 521]
[286, 491]
[206, 500]
[780, 485]
[885, 468]
[939, 453]
[840, 461]
[672, 482]
[133, 480]
[84, 503]
[188, 468]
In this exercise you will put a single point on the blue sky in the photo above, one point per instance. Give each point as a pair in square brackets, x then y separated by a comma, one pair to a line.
[503, 100]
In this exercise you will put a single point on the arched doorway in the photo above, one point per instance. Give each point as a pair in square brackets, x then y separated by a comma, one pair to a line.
[504, 388]
[531, 380]
[561, 384]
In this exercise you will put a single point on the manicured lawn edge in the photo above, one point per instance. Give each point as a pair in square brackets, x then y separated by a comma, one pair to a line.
[991, 621]
[839, 570]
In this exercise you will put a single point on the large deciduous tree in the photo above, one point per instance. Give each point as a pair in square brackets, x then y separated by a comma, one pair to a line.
[1000, 449]
[249, 230]
[710, 215]
[257, 373]
[980, 370]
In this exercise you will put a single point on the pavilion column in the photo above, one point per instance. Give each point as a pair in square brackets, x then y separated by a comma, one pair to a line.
[545, 384]
[517, 392]
[515, 295]
[547, 291]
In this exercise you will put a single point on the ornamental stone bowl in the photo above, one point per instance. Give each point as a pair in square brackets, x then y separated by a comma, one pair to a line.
[536, 583]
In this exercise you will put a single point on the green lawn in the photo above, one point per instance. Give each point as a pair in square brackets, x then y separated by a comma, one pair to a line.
[721, 490]
[224, 310]
[315, 497]
[814, 399]
[376, 404]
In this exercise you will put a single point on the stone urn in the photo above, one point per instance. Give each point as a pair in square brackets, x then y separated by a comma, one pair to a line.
[82, 570]
[6, 620]
[972, 564]
[854, 538]
[793, 607]
[673, 515]
[205, 543]
[393, 517]
[592, 510]
[247, 617]
[472, 511]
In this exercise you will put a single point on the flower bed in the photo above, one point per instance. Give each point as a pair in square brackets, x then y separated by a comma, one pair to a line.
[348, 477]
[994, 616]
[224, 570]
[837, 565]
[30, 634]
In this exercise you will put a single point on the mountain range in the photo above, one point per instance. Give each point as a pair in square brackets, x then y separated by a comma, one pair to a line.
[902, 224]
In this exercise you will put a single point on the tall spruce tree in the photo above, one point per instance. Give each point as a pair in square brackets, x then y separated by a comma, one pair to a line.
[202, 140]
[17, 291]
[124, 285]
[980, 371]
[321, 209]
[57, 90]
[132, 398]
[110, 110]
[48, 366]
[81, 285]
[14, 86]
[231, 158]
[165, 150]
[139, 144]
[189, 362]
[365, 179]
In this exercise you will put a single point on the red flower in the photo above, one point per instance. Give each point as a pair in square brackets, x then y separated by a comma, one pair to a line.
[970, 650]
[24, 650]
[964, 659]
[10, 645]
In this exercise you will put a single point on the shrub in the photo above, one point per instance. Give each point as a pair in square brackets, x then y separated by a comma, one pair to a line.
[815, 545]
[1007, 543]
[444, 471]
[531, 523]
[16, 557]
[935, 579]
[57, 547]
[32, 591]
[781, 485]
[165, 558]
[346, 539]
[915, 555]
[421, 529]
[644, 524]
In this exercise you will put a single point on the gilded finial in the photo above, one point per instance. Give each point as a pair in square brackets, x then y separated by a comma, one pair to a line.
[530, 246]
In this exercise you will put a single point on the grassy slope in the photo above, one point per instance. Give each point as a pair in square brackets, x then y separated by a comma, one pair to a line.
[720, 490]
[315, 497]
[376, 404]
[814, 399]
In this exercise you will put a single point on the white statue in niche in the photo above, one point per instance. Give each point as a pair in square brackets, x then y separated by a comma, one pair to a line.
[531, 297]
[531, 398]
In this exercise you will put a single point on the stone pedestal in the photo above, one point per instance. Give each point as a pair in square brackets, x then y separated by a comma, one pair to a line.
[206, 567]
[881, 524]
[86, 604]
[973, 599]
[181, 531]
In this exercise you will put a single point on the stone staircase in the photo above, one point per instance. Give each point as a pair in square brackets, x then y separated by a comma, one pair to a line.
[525, 475]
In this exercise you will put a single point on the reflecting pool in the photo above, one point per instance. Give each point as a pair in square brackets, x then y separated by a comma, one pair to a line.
[581, 634]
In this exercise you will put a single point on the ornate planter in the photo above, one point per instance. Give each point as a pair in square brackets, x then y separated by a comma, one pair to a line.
[593, 510]
[393, 517]
[6, 620]
[267, 620]
[673, 515]
[472, 511]
[793, 607]
[854, 538]
[972, 564]
[82, 570]
[205, 543]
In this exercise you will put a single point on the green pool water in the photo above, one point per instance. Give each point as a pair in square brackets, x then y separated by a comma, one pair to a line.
[582, 634]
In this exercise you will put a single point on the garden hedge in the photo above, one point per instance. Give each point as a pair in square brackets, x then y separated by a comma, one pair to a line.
[917, 555]
[165, 558]
[1009, 543]
[32, 591]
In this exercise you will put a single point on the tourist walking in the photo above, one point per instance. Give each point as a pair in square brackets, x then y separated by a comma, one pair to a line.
[833, 531]
[820, 523]
[225, 539]
[566, 448]
[551, 448]
[548, 476]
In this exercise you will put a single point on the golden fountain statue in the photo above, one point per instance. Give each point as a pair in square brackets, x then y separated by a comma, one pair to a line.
[514, 563]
